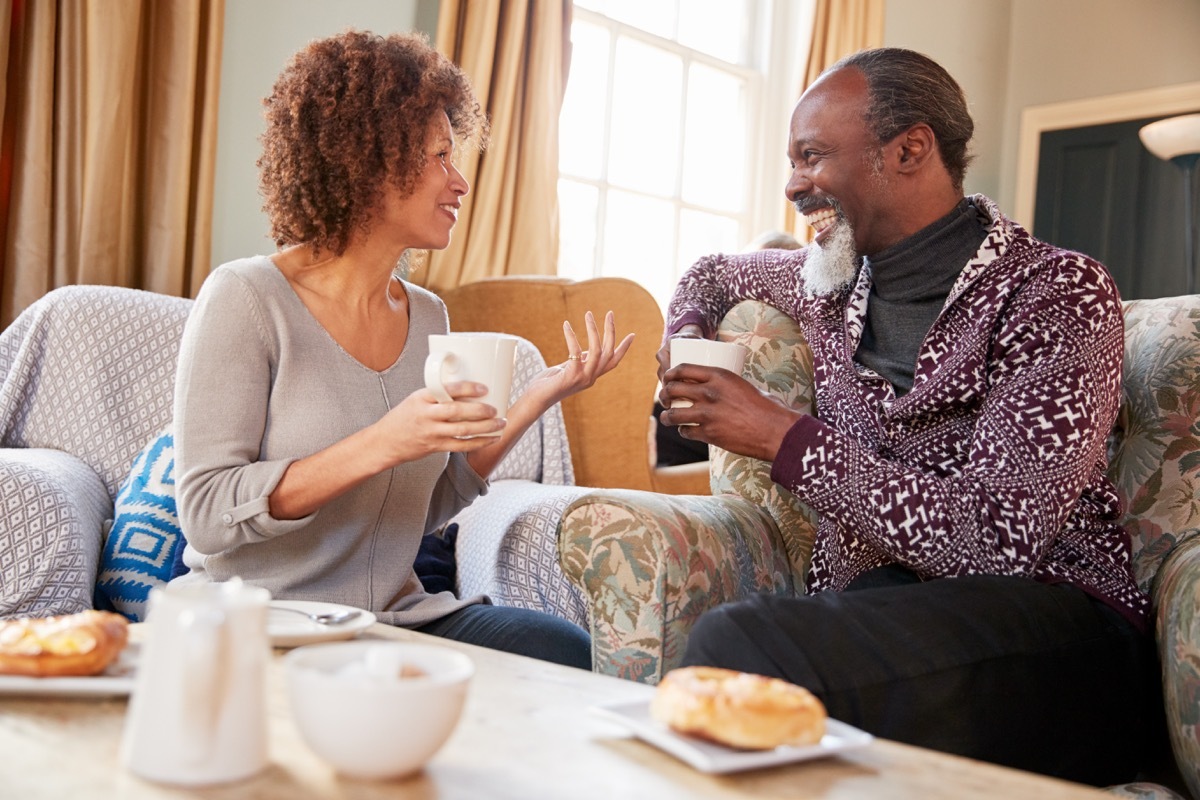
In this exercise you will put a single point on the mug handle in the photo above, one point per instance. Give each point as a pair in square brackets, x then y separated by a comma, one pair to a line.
[434, 364]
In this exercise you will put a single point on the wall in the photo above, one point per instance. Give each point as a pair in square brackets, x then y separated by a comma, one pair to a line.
[969, 39]
[260, 36]
[1011, 54]
[1077, 49]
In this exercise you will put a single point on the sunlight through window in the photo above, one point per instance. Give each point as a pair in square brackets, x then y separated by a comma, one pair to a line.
[655, 137]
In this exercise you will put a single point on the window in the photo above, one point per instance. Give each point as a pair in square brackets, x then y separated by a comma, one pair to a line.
[672, 142]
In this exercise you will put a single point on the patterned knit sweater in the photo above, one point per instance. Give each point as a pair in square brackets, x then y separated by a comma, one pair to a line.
[995, 461]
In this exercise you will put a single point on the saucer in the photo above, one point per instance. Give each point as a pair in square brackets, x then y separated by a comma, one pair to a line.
[288, 629]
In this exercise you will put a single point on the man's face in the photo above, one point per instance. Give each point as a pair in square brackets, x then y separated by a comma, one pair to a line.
[838, 173]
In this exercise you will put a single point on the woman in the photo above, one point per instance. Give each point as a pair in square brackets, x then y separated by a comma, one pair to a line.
[311, 458]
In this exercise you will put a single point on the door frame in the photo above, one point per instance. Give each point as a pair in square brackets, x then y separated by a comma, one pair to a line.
[1035, 120]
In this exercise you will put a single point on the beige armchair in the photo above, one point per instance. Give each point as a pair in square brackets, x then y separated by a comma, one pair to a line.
[609, 427]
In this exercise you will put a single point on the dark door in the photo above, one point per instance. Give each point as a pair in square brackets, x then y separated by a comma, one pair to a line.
[1100, 191]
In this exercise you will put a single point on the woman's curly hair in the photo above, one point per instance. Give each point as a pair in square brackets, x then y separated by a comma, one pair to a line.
[347, 117]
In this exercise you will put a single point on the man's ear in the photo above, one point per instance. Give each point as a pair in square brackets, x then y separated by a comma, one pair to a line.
[914, 147]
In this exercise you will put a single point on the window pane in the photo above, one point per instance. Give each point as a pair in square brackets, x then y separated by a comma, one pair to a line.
[716, 27]
[647, 91]
[581, 123]
[703, 234]
[653, 16]
[577, 207]
[639, 236]
[714, 163]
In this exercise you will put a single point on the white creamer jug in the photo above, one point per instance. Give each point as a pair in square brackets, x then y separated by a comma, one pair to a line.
[197, 715]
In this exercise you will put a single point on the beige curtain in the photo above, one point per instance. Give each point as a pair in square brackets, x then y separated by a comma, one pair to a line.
[840, 27]
[516, 53]
[110, 123]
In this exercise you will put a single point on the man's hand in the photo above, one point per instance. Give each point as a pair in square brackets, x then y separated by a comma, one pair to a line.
[726, 411]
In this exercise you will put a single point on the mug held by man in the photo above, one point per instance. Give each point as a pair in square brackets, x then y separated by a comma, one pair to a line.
[706, 353]
[486, 359]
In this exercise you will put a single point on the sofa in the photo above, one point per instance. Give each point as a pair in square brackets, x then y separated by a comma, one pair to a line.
[650, 564]
[86, 459]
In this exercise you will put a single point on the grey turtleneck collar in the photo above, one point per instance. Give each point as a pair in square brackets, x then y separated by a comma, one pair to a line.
[909, 285]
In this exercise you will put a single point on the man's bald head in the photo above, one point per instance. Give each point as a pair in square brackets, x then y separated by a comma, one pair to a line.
[907, 88]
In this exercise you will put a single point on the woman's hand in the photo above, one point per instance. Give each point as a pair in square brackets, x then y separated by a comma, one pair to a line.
[417, 427]
[583, 367]
[420, 425]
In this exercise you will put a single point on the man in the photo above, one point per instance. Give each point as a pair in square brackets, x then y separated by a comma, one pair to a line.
[970, 589]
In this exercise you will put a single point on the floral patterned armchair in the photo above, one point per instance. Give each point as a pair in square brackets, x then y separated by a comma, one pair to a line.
[649, 565]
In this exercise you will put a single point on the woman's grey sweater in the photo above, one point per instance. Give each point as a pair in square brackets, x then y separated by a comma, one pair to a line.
[261, 384]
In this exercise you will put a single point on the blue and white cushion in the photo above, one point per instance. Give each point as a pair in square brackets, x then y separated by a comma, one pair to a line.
[144, 547]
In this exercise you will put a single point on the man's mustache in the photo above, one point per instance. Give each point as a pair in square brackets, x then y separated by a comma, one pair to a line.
[806, 205]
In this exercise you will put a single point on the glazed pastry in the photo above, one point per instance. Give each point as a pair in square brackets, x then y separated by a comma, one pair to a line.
[737, 709]
[73, 644]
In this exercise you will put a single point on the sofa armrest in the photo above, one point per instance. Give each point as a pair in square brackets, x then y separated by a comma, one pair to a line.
[1176, 595]
[650, 564]
[55, 508]
[507, 548]
[779, 362]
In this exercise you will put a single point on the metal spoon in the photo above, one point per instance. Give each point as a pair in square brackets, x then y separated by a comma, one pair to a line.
[324, 617]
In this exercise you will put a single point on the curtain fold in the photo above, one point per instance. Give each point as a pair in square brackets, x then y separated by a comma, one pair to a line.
[516, 53]
[110, 111]
[840, 27]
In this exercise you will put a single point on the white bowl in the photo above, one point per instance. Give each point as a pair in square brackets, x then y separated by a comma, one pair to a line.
[366, 720]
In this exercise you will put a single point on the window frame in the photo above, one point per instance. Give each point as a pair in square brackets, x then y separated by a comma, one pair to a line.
[771, 83]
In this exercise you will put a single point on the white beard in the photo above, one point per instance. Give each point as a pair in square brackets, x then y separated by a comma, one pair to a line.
[830, 267]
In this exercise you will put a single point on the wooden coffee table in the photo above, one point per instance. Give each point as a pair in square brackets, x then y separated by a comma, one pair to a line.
[525, 733]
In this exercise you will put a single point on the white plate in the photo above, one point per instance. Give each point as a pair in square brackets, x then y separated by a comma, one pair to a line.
[115, 681]
[715, 758]
[289, 629]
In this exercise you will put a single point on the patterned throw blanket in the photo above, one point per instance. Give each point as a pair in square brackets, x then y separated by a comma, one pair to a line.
[85, 381]
[89, 370]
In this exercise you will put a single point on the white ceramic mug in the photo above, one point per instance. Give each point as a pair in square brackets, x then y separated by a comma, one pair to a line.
[706, 353]
[197, 715]
[486, 359]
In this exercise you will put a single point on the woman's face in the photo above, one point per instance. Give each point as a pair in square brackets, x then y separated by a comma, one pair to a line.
[424, 218]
